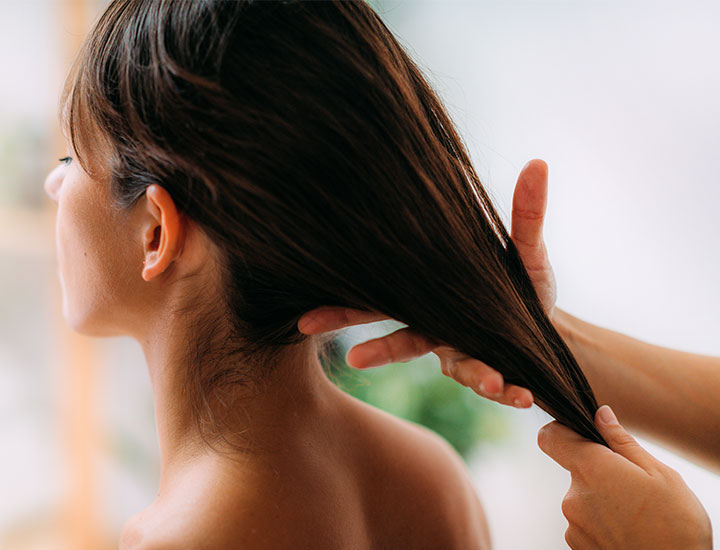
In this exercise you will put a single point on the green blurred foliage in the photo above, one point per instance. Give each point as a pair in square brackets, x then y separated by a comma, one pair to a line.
[418, 391]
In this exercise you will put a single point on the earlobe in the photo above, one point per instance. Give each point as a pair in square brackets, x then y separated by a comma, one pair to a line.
[163, 238]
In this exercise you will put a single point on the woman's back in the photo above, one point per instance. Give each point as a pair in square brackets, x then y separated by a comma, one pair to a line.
[359, 479]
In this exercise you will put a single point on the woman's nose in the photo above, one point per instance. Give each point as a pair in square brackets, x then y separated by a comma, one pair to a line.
[53, 181]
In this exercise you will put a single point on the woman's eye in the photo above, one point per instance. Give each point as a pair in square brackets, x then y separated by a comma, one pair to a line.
[65, 160]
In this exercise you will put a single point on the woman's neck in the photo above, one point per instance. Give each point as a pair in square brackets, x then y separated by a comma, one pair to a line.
[294, 398]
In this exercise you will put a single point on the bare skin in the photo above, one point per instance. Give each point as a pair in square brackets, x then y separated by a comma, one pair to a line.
[623, 497]
[666, 394]
[323, 470]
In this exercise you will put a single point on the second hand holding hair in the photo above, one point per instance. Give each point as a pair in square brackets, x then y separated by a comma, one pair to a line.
[621, 497]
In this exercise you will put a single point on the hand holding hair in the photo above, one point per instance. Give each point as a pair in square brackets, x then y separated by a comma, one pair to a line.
[528, 214]
[622, 497]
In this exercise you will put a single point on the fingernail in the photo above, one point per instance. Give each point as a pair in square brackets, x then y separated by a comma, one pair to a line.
[607, 416]
[481, 387]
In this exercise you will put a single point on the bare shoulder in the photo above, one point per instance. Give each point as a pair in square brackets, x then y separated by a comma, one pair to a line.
[140, 532]
[235, 507]
[420, 481]
[168, 531]
[376, 482]
[196, 517]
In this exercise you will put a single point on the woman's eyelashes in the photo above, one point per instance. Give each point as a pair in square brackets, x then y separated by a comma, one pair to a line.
[65, 160]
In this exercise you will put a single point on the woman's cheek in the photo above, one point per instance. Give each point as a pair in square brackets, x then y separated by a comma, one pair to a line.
[61, 255]
[71, 259]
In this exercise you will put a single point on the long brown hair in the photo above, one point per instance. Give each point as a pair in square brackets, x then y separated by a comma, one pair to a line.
[307, 144]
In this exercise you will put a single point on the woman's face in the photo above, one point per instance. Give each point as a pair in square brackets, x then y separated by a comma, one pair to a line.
[99, 260]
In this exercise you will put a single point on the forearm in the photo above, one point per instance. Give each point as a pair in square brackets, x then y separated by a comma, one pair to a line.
[668, 395]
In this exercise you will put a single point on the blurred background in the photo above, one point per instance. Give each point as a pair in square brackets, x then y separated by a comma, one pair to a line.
[621, 100]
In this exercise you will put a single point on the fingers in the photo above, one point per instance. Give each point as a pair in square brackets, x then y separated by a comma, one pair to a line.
[529, 203]
[576, 454]
[515, 396]
[397, 347]
[404, 345]
[620, 441]
[566, 447]
[475, 375]
[486, 381]
[327, 318]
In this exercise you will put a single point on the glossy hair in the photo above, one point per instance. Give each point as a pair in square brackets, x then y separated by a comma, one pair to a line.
[306, 143]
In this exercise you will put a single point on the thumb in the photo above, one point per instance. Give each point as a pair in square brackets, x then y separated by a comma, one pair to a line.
[620, 441]
[528, 210]
[526, 229]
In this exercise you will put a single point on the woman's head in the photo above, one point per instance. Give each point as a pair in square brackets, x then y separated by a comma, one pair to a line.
[106, 253]
[305, 145]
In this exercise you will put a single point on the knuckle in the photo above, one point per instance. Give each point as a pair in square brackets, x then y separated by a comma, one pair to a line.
[342, 316]
[478, 371]
[544, 437]
[670, 475]
[623, 439]
[528, 213]
[462, 373]
[444, 349]
[389, 347]
[466, 378]
[419, 344]
[448, 368]
[567, 506]
[407, 345]
[571, 538]
[527, 244]
[443, 367]
[478, 379]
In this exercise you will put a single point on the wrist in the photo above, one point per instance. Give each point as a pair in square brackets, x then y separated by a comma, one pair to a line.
[562, 321]
[580, 341]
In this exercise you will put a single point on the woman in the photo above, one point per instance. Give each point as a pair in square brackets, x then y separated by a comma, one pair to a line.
[621, 500]
[232, 165]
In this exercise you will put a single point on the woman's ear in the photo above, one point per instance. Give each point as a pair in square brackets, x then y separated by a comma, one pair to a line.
[163, 232]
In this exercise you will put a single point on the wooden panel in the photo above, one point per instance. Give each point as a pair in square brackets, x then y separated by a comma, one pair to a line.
[79, 363]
